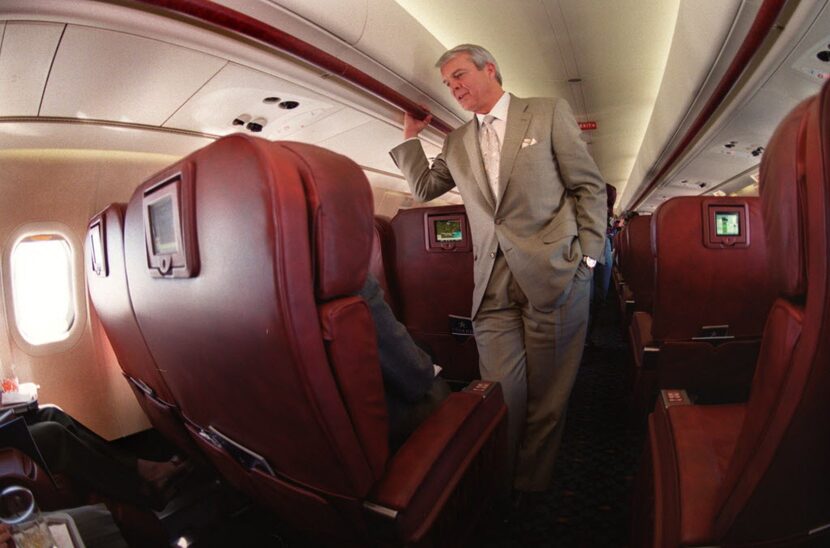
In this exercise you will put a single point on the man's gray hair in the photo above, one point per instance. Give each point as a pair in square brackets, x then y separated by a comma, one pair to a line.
[478, 55]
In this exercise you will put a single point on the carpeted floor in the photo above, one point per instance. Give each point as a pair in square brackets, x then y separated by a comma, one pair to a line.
[589, 503]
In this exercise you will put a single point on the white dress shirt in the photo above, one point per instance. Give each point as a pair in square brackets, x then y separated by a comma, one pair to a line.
[499, 112]
[499, 125]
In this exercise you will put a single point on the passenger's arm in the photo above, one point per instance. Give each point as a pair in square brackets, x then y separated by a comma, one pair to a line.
[582, 178]
[425, 182]
[406, 369]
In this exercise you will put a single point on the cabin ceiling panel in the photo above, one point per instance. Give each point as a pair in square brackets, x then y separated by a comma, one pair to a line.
[570, 92]
[713, 171]
[807, 67]
[335, 123]
[761, 98]
[624, 107]
[362, 143]
[735, 144]
[612, 38]
[25, 58]
[417, 83]
[240, 93]
[700, 31]
[813, 63]
[689, 187]
[621, 49]
[346, 19]
[129, 79]
[60, 135]
[752, 125]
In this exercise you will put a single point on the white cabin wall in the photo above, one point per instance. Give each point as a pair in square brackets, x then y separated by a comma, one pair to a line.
[391, 193]
[68, 187]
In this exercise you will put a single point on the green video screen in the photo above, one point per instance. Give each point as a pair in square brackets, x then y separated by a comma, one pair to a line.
[448, 231]
[727, 224]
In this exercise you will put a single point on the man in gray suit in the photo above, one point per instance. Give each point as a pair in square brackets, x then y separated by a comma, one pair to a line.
[536, 205]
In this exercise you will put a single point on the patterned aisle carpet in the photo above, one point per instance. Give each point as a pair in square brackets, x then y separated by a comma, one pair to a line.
[589, 502]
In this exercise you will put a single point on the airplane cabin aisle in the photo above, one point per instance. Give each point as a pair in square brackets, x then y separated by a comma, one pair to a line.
[589, 503]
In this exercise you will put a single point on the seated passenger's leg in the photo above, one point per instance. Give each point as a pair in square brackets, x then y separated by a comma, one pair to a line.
[65, 453]
[94, 441]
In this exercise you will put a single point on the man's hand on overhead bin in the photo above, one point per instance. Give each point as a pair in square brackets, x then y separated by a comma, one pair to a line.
[412, 126]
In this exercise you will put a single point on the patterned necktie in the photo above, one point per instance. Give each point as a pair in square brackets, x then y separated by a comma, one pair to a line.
[491, 153]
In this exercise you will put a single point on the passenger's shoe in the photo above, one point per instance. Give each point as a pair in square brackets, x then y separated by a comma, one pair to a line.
[162, 480]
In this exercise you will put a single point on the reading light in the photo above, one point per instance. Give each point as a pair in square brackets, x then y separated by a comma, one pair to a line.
[242, 119]
[256, 124]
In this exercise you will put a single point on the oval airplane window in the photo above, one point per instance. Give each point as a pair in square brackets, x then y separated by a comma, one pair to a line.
[43, 288]
[44, 300]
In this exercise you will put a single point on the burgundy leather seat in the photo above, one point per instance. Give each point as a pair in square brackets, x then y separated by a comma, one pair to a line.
[619, 253]
[637, 268]
[432, 285]
[381, 262]
[109, 294]
[759, 473]
[711, 296]
[274, 360]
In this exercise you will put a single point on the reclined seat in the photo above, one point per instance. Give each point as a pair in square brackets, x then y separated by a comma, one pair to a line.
[109, 293]
[711, 297]
[243, 260]
[759, 473]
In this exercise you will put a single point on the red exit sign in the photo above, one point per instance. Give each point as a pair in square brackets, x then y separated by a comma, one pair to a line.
[587, 126]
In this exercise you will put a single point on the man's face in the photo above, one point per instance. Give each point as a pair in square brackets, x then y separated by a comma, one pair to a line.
[476, 90]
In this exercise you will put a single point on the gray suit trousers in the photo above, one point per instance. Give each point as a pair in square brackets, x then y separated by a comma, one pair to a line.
[535, 356]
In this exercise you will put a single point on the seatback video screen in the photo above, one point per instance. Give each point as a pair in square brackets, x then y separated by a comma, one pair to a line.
[162, 227]
[448, 231]
[727, 224]
[98, 253]
[97, 246]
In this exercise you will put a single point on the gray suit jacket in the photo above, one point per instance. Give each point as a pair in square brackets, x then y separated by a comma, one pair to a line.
[551, 209]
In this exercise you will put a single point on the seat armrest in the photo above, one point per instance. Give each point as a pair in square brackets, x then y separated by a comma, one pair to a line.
[642, 345]
[628, 294]
[436, 455]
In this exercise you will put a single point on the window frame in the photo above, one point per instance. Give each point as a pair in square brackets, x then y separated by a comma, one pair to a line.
[76, 273]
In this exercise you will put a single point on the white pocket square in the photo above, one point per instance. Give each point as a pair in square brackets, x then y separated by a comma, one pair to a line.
[528, 142]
